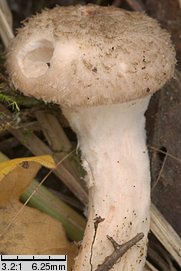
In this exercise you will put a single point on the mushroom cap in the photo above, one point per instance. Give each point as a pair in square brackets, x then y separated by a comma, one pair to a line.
[90, 55]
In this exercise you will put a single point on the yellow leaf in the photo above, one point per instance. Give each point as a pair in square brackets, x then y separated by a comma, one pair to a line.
[17, 174]
[8, 166]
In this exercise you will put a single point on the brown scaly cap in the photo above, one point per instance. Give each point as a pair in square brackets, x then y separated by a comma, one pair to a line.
[90, 55]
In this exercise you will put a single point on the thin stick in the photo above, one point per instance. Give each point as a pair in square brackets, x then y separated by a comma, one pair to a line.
[6, 32]
[166, 153]
[149, 267]
[119, 251]
[160, 173]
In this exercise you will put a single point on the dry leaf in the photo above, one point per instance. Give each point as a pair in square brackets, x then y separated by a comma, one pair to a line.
[33, 232]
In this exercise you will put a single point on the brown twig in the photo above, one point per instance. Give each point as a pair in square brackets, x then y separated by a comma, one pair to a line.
[119, 251]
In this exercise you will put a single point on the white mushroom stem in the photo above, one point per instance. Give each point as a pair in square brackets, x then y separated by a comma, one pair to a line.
[113, 146]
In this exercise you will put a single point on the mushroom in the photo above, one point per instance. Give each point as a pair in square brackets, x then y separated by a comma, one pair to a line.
[101, 64]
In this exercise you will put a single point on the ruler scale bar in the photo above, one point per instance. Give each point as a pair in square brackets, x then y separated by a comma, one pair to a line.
[33, 262]
[34, 258]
